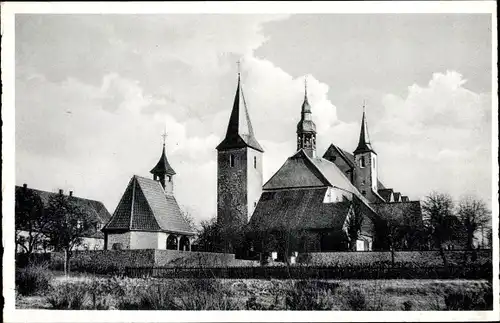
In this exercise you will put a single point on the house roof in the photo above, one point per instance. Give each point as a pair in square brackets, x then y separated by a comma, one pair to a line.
[95, 208]
[397, 197]
[145, 207]
[163, 166]
[386, 193]
[404, 198]
[239, 132]
[301, 208]
[348, 158]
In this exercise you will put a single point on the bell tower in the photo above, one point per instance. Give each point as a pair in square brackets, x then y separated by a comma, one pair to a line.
[239, 168]
[163, 172]
[306, 129]
[365, 158]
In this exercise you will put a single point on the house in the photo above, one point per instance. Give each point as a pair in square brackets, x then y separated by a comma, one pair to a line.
[311, 202]
[93, 241]
[148, 215]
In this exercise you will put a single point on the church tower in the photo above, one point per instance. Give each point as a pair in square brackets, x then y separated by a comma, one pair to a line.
[306, 129]
[239, 168]
[163, 172]
[366, 177]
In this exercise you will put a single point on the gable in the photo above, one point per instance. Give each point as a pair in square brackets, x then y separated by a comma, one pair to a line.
[296, 172]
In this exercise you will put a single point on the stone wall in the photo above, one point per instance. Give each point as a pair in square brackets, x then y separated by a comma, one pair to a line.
[421, 258]
[122, 238]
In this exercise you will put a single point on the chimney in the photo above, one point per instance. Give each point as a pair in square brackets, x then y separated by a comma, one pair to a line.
[60, 191]
[70, 193]
[25, 186]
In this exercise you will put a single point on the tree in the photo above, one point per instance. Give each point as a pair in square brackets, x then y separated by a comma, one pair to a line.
[474, 215]
[209, 236]
[354, 222]
[439, 219]
[30, 218]
[68, 224]
[188, 216]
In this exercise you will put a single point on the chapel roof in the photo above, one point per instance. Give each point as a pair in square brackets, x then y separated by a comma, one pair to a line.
[145, 207]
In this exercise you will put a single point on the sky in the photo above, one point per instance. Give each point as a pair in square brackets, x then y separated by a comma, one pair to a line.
[94, 94]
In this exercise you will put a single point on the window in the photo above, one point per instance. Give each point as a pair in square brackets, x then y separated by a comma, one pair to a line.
[254, 161]
[363, 192]
[362, 161]
[169, 178]
[117, 246]
[231, 160]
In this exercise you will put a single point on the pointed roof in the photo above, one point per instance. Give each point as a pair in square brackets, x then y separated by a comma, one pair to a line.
[239, 132]
[364, 144]
[145, 207]
[306, 124]
[163, 167]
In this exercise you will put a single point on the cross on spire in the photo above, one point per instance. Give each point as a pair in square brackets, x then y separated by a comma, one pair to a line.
[364, 105]
[164, 136]
[238, 63]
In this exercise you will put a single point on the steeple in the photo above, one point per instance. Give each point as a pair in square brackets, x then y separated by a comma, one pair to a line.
[364, 140]
[306, 129]
[239, 132]
[163, 172]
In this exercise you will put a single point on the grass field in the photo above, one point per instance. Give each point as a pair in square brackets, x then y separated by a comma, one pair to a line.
[92, 292]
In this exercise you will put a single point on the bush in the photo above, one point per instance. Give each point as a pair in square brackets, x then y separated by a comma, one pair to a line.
[356, 299]
[32, 279]
[467, 300]
[68, 296]
[310, 295]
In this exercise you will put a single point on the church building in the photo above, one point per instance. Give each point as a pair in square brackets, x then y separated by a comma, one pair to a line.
[148, 215]
[311, 203]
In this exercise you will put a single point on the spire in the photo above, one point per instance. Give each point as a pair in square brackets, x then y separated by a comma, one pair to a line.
[239, 132]
[163, 167]
[364, 140]
[306, 124]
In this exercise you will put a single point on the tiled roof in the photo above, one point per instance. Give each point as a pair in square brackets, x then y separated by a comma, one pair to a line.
[95, 208]
[239, 130]
[301, 171]
[145, 207]
[297, 209]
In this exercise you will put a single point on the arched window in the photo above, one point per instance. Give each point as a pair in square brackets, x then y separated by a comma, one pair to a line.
[231, 160]
[169, 178]
[172, 242]
[362, 161]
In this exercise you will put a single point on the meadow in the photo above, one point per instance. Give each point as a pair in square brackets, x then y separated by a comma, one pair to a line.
[39, 288]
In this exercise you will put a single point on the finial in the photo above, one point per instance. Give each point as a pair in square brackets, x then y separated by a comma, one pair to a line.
[364, 105]
[305, 86]
[164, 135]
[239, 67]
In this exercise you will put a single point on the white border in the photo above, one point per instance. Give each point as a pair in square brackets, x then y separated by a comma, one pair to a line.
[9, 9]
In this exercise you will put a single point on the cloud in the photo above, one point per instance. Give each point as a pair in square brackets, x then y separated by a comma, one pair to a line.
[437, 138]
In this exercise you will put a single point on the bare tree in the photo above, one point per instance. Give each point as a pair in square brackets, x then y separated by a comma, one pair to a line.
[68, 224]
[30, 218]
[189, 218]
[438, 211]
[474, 215]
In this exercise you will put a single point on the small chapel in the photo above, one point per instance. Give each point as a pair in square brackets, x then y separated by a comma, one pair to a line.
[309, 203]
[148, 215]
